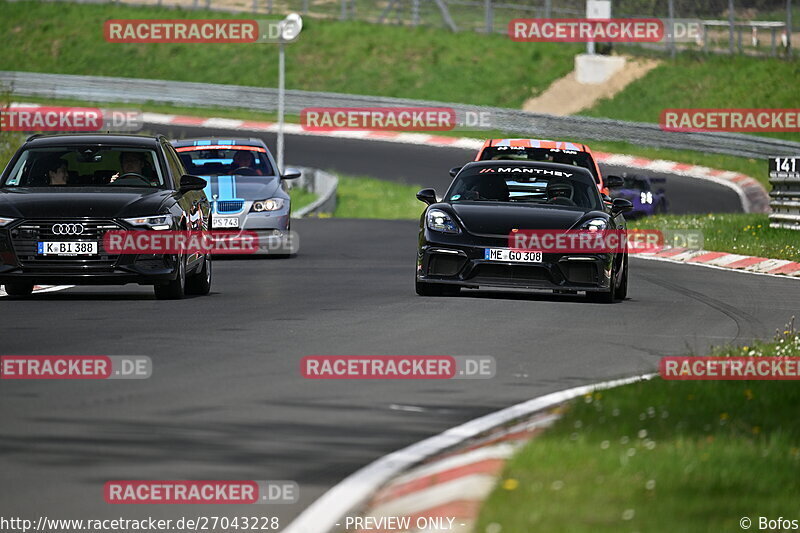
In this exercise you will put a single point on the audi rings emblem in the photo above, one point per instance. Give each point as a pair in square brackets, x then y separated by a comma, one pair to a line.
[67, 229]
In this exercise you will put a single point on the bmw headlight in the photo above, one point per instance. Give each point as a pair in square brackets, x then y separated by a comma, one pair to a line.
[272, 204]
[438, 220]
[154, 222]
[5, 221]
[595, 224]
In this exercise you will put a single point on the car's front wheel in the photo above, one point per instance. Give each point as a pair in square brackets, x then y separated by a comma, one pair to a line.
[19, 289]
[174, 290]
[199, 283]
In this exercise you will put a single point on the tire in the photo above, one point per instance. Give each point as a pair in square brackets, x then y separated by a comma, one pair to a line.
[435, 289]
[174, 290]
[19, 289]
[622, 291]
[199, 283]
[604, 296]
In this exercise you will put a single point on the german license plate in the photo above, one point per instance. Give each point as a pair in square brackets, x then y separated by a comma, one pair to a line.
[224, 222]
[67, 248]
[515, 256]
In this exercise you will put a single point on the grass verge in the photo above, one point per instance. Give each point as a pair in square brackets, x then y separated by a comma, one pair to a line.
[349, 57]
[689, 456]
[363, 197]
[300, 197]
[747, 234]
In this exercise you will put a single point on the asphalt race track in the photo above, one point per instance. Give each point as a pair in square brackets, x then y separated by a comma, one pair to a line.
[227, 401]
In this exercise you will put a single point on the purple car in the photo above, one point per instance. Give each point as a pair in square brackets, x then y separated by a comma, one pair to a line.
[645, 198]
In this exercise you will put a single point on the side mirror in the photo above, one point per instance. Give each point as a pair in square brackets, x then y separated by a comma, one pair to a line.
[614, 182]
[291, 174]
[621, 205]
[427, 196]
[192, 183]
[454, 171]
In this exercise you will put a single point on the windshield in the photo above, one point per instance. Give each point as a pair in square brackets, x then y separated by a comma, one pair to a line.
[545, 155]
[85, 166]
[215, 160]
[528, 185]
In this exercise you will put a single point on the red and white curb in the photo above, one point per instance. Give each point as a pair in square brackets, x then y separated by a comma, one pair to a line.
[381, 479]
[727, 261]
[38, 289]
[752, 194]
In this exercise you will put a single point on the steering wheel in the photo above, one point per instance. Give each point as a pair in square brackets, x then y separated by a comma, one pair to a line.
[131, 176]
[245, 171]
[562, 200]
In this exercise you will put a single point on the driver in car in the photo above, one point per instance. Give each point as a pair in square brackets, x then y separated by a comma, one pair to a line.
[244, 159]
[131, 166]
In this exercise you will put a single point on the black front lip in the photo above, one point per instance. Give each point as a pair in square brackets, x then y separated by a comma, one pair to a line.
[552, 273]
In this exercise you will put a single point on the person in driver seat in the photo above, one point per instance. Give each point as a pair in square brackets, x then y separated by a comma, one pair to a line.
[132, 164]
[49, 170]
[245, 159]
[560, 193]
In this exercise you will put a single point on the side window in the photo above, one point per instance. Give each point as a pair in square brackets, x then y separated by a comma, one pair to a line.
[174, 163]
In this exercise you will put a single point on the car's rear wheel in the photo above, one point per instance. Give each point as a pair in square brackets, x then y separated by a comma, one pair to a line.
[19, 289]
[199, 283]
[174, 290]
[436, 289]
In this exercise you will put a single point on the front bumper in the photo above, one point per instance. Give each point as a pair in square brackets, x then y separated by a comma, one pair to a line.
[451, 263]
[272, 228]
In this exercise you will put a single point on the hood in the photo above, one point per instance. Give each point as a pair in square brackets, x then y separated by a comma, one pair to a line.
[241, 187]
[79, 202]
[498, 219]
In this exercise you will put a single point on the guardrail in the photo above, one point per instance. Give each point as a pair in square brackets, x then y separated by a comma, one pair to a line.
[140, 91]
[785, 203]
[321, 183]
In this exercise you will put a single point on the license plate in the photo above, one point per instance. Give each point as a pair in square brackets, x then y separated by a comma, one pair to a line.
[516, 256]
[67, 248]
[229, 222]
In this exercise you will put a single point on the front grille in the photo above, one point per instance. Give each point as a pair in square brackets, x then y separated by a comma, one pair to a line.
[445, 265]
[580, 272]
[229, 206]
[26, 236]
[509, 272]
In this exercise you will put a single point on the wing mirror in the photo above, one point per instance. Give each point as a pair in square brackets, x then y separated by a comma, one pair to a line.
[291, 174]
[454, 171]
[621, 205]
[614, 182]
[427, 196]
[192, 183]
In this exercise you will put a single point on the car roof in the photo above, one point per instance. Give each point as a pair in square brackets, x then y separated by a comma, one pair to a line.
[108, 139]
[538, 143]
[218, 141]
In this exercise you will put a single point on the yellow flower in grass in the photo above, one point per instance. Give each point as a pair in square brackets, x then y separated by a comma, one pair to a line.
[756, 430]
[723, 416]
[510, 484]
[748, 394]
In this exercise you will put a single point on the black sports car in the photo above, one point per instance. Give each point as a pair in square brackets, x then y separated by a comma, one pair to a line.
[464, 239]
[60, 194]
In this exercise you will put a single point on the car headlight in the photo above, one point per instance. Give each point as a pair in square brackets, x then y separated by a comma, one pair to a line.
[154, 222]
[5, 221]
[595, 224]
[272, 204]
[438, 220]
